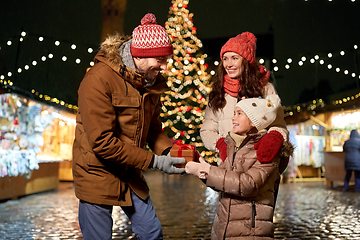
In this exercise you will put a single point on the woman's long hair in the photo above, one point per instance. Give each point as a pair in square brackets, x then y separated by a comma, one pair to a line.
[250, 82]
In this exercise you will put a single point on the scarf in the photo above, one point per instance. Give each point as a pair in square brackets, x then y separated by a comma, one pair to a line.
[125, 54]
[231, 86]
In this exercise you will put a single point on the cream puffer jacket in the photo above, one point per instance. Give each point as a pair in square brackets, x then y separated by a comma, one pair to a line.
[217, 124]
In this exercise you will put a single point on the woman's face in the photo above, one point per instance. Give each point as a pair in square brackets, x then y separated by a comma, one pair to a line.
[232, 63]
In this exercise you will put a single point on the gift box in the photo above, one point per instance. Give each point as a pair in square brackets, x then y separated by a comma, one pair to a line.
[186, 151]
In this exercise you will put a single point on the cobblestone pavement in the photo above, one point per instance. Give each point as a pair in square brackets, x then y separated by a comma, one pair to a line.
[306, 210]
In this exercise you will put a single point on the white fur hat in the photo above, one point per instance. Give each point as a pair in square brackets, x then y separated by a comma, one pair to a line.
[261, 112]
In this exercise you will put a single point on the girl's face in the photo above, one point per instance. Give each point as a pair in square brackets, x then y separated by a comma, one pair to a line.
[233, 64]
[241, 122]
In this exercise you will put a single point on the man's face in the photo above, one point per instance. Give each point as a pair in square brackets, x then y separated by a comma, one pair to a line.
[151, 66]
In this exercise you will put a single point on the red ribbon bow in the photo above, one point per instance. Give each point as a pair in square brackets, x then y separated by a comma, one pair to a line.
[183, 146]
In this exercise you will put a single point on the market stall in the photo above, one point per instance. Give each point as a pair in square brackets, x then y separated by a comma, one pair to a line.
[340, 124]
[308, 139]
[35, 139]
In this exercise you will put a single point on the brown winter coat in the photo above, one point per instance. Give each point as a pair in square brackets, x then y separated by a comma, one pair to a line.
[116, 117]
[245, 208]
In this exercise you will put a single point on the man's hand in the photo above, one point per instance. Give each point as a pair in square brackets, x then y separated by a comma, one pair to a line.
[269, 146]
[166, 163]
[200, 169]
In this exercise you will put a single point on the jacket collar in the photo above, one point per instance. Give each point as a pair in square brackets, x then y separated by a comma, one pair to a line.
[241, 140]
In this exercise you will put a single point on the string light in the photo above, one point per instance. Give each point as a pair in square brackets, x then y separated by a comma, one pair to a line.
[35, 63]
[318, 103]
[330, 0]
[321, 61]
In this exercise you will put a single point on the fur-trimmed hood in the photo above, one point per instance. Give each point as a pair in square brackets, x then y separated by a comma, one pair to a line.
[111, 48]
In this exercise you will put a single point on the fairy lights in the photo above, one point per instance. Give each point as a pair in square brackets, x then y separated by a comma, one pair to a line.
[329, 0]
[325, 60]
[5, 79]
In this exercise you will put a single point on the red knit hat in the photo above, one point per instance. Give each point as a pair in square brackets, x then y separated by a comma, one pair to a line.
[150, 39]
[243, 44]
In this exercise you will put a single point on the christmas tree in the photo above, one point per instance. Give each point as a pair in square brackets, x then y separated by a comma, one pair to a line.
[184, 105]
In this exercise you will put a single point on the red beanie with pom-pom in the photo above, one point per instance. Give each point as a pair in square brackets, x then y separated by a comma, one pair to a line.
[150, 39]
[243, 44]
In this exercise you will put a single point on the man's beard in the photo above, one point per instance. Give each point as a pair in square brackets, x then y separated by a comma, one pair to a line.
[150, 78]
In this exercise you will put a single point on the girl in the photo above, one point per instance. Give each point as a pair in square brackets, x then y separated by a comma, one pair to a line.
[246, 183]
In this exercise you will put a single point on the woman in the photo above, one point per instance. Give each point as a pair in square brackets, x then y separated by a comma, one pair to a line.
[239, 76]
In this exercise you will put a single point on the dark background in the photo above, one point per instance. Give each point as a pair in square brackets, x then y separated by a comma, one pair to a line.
[284, 28]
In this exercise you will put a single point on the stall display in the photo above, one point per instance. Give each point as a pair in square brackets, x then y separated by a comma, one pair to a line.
[340, 124]
[309, 141]
[309, 150]
[34, 139]
[22, 123]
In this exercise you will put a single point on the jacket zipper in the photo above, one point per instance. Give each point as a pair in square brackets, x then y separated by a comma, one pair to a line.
[253, 213]
[228, 220]
[230, 198]
[142, 112]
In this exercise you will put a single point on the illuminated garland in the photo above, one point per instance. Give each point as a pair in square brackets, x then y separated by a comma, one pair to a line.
[317, 104]
[345, 99]
[7, 83]
[314, 59]
[320, 60]
[308, 107]
[330, 0]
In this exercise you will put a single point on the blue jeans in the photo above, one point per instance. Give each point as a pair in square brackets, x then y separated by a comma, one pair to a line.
[347, 179]
[96, 222]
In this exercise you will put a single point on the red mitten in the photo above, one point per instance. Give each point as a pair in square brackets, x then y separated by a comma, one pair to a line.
[221, 145]
[268, 146]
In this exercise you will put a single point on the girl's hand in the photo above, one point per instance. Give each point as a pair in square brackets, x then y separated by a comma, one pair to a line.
[200, 169]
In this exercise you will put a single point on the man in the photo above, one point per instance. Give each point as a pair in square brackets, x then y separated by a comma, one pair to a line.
[119, 106]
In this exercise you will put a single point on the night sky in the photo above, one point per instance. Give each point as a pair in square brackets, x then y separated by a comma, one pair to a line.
[298, 28]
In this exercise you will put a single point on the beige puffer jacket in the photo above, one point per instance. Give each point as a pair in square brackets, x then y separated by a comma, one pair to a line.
[217, 124]
[245, 207]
